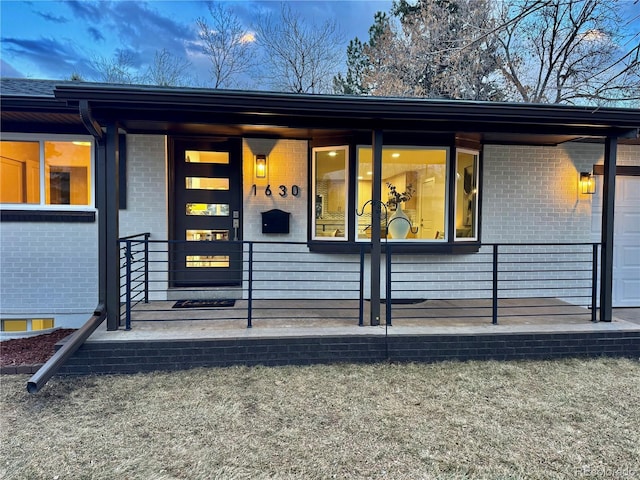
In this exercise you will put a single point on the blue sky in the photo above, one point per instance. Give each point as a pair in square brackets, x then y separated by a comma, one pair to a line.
[53, 39]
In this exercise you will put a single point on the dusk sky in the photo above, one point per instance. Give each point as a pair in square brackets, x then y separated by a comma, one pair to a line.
[53, 39]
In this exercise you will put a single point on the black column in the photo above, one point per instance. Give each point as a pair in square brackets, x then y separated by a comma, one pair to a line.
[101, 205]
[109, 228]
[608, 208]
[376, 248]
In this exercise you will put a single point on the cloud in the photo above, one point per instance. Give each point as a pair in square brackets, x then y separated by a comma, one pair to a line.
[53, 18]
[53, 59]
[7, 70]
[136, 26]
[86, 10]
[95, 34]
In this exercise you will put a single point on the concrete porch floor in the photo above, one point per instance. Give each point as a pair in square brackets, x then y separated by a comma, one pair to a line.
[318, 318]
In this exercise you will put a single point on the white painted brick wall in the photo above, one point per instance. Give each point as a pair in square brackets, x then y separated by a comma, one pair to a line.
[146, 187]
[531, 193]
[287, 165]
[49, 270]
[147, 203]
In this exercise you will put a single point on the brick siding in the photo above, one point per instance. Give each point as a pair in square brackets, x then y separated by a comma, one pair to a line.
[145, 356]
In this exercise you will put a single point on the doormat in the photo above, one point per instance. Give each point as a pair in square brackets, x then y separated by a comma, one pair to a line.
[203, 303]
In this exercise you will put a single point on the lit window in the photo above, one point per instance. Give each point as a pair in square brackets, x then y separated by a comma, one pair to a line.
[330, 191]
[467, 195]
[414, 193]
[22, 324]
[14, 325]
[46, 172]
[41, 323]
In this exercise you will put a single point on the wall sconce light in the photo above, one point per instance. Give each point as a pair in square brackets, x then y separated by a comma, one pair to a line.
[261, 166]
[587, 183]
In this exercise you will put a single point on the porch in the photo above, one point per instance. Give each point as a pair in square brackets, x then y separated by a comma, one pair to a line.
[505, 302]
[205, 338]
[510, 322]
[285, 284]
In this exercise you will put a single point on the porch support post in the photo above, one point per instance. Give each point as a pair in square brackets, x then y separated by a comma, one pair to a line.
[608, 208]
[109, 229]
[101, 206]
[376, 208]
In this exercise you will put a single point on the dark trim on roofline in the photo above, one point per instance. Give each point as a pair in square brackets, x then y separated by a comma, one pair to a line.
[382, 108]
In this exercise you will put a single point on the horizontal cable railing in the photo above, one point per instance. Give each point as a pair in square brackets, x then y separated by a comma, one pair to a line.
[285, 282]
[499, 281]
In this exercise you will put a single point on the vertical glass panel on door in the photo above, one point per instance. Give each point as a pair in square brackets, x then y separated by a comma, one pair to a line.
[413, 193]
[195, 156]
[466, 195]
[330, 190]
[207, 209]
[207, 235]
[205, 183]
[207, 261]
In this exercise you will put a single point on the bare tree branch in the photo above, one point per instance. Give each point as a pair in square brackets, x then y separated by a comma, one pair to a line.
[298, 57]
[567, 51]
[227, 44]
[167, 70]
[118, 69]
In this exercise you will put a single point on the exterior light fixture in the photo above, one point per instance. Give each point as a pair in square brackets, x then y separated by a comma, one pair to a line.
[587, 183]
[261, 166]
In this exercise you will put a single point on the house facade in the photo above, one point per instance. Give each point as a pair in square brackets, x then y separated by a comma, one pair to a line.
[206, 173]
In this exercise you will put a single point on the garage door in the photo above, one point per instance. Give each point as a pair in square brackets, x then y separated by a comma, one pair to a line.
[626, 250]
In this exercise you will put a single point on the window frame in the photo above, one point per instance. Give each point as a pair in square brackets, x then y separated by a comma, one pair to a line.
[352, 244]
[476, 173]
[411, 241]
[314, 236]
[43, 206]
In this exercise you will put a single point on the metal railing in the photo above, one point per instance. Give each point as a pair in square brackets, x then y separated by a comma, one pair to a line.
[520, 280]
[284, 280]
[134, 272]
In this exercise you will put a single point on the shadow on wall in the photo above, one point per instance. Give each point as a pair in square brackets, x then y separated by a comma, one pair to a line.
[261, 146]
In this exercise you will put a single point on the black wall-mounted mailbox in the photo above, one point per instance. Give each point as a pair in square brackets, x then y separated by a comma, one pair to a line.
[275, 221]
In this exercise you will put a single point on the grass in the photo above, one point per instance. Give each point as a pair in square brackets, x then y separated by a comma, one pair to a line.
[497, 420]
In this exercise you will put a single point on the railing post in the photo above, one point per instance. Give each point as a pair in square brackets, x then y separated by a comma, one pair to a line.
[146, 267]
[128, 255]
[494, 313]
[250, 287]
[388, 285]
[594, 282]
[361, 299]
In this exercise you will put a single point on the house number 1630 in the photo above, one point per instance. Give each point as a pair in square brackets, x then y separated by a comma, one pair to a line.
[283, 191]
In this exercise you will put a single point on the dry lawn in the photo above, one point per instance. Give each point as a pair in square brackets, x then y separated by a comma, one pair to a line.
[551, 420]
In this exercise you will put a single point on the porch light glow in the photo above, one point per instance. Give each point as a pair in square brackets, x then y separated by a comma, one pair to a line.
[261, 166]
[587, 183]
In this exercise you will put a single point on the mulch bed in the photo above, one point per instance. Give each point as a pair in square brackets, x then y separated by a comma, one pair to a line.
[31, 350]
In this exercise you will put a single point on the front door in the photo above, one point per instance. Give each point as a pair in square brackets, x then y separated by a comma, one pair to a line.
[207, 205]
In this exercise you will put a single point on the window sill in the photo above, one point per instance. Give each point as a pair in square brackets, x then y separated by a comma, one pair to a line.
[54, 216]
[443, 248]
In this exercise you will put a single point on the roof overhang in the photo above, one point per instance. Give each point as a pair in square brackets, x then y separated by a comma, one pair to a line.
[193, 111]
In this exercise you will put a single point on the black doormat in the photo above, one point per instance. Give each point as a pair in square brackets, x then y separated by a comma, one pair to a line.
[203, 303]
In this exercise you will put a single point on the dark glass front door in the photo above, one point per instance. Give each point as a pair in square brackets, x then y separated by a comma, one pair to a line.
[206, 248]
